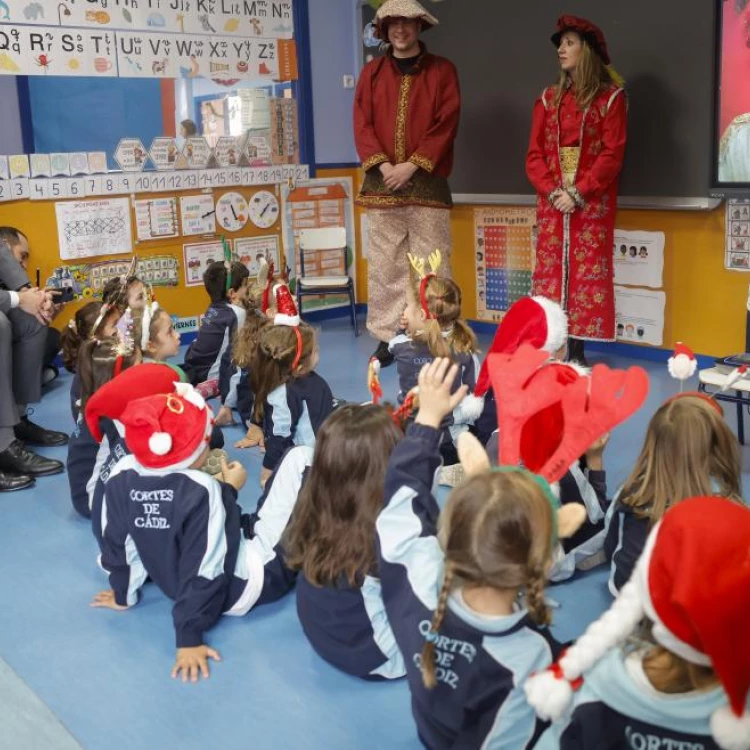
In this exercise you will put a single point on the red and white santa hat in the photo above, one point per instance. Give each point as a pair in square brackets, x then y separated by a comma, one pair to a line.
[286, 310]
[531, 320]
[682, 364]
[693, 582]
[168, 431]
[113, 398]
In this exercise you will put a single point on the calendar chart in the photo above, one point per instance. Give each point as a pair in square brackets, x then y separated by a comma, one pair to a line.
[505, 241]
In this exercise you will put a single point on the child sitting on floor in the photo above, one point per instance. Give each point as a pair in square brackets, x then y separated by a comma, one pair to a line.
[79, 329]
[452, 595]
[226, 284]
[434, 328]
[179, 526]
[291, 400]
[330, 540]
[689, 450]
[668, 666]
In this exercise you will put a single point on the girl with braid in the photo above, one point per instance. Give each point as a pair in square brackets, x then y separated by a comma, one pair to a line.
[464, 589]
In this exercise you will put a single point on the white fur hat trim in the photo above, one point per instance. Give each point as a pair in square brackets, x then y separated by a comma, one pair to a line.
[557, 324]
[729, 731]
[160, 443]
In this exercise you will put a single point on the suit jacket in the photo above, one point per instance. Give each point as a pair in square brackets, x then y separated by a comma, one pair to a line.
[12, 276]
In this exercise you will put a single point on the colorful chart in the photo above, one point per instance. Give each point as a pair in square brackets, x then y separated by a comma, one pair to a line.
[504, 258]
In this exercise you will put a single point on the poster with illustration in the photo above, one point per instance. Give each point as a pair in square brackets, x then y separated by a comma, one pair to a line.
[156, 219]
[252, 18]
[639, 315]
[46, 50]
[639, 258]
[319, 204]
[198, 215]
[157, 55]
[198, 257]
[251, 250]
[737, 249]
[504, 255]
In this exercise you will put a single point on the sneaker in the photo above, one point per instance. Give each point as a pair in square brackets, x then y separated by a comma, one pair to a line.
[451, 476]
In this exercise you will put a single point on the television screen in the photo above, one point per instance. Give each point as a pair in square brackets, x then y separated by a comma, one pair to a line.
[733, 100]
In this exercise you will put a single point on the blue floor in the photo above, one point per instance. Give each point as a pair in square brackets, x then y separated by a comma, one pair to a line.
[103, 677]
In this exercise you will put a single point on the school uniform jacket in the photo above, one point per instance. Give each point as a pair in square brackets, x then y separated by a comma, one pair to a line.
[481, 662]
[626, 536]
[75, 397]
[585, 487]
[203, 358]
[112, 448]
[293, 414]
[181, 529]
[80, 463]
[618, 709]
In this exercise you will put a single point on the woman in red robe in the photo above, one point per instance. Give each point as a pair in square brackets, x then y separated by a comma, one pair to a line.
[574, 160]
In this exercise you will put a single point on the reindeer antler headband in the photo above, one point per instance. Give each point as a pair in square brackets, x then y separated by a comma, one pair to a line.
[418, 264]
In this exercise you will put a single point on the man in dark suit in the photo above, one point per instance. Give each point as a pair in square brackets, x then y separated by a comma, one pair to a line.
[24, 313]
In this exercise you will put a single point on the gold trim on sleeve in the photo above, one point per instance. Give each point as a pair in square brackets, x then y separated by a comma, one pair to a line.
[374, 160]
[422, 162]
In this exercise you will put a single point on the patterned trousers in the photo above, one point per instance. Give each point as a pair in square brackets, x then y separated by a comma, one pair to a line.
[394, 232]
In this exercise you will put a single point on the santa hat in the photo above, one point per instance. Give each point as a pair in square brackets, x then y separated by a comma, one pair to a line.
[168, 431]
[682, 364]
[113, 398]
[693, 582]
[531, 320]
[286, 310]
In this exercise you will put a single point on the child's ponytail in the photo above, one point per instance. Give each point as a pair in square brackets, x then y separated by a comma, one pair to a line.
[535, 602]
[427, 660]
[79, 328]
[462, 339]
[436, 342]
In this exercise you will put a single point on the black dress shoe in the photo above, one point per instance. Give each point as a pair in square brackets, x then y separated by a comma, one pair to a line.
[31, 433]
[13, 482]
[383, 354]
[15, 459]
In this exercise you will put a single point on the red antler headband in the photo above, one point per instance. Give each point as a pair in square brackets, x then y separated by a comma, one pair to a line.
[418, 264]
[591, 405]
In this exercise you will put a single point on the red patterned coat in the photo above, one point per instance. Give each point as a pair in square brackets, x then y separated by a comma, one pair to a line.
[575, 252]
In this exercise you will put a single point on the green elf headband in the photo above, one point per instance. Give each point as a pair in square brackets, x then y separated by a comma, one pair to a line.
[227, 263]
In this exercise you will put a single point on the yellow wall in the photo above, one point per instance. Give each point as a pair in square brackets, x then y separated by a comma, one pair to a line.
[705, 303]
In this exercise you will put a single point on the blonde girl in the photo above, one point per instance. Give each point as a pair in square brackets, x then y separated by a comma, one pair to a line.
[689, 450]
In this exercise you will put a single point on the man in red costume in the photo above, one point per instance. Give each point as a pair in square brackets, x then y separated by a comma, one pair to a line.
[406, 114]
[574, 160]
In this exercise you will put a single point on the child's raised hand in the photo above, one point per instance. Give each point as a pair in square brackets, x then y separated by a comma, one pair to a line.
[254, 437]
[193, 662]
[233, 474]
[106, 600]
[595, 452]
[436, 380]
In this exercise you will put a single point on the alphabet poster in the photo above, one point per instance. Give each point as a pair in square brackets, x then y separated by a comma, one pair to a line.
[46, 50]
[96, 227]
[266, 18]
[149, 55]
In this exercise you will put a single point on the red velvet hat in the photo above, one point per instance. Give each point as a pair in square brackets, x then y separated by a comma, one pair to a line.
[588, 31]
[113, 398]
[168, 431]
[286, 311]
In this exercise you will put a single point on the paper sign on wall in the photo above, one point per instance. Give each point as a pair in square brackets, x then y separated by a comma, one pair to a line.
[156, 219]
[198, 214]
[639, 258]
[267, 18]
[147, 55]
[198, 258]
[640, 315]
[46, 50]
[251, 250]
[737, 248]
[97, 227]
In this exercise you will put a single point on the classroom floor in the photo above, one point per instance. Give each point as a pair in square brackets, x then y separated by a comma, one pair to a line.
[73, 677]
